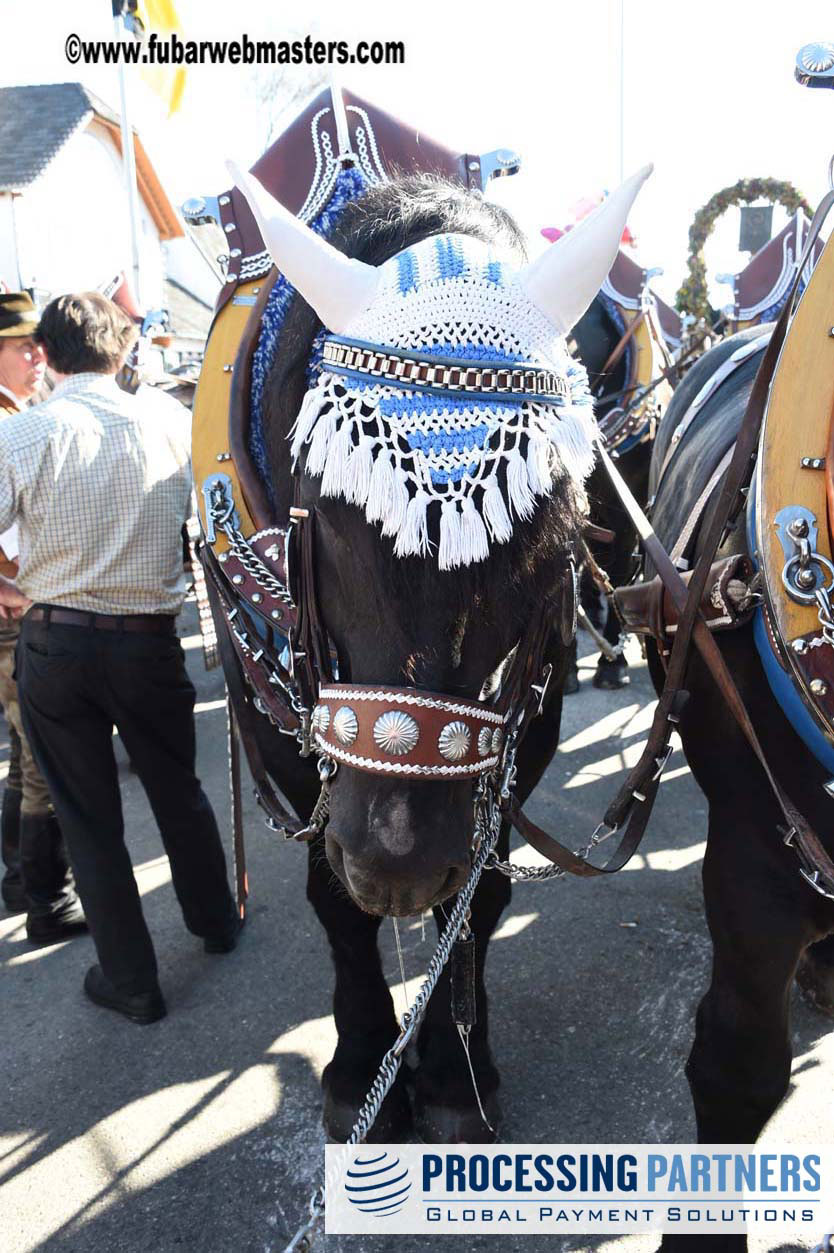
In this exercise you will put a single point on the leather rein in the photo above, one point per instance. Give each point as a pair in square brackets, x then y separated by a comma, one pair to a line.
[279, 666]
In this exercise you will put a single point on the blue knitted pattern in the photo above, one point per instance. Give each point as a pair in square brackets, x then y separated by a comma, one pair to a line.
[349, 185]
[416, 458]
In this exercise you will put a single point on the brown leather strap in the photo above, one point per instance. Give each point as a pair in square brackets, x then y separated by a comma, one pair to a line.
[241, 877]
[622, 343]
[647, 607]
[406, 731]
[245, 715]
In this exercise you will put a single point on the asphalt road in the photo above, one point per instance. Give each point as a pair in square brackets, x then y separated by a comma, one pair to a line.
[202, 1132]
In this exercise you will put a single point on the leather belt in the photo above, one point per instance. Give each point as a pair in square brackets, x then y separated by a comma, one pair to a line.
[153, 623]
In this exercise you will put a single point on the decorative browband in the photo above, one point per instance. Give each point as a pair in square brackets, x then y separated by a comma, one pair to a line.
[402, 731]
[407, 370]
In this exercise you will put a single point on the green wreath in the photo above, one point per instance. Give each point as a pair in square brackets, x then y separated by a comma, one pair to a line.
[692, 296]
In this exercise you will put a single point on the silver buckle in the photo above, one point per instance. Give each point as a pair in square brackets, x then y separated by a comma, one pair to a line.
[662, 762]
[813, 880]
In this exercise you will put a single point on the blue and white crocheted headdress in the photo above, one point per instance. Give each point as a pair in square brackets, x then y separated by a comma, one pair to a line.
[445, 384]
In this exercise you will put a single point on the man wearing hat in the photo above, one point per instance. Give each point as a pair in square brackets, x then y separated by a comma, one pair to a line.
[37, 877]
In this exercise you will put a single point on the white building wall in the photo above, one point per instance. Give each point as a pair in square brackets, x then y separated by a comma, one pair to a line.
[73, 224]
[8, 245]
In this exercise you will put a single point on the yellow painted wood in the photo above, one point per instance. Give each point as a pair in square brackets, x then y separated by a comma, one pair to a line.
[796, 425]
[651, 360]
[210, 425]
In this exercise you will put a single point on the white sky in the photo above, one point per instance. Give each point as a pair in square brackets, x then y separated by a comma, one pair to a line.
[709, 96]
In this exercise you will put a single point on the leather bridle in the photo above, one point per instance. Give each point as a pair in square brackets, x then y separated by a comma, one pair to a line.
[276, 649]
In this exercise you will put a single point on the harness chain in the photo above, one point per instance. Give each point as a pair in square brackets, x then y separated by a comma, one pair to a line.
[539, 874]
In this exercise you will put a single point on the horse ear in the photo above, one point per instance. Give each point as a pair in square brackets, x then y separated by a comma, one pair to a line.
[563, 281]
[337, 287]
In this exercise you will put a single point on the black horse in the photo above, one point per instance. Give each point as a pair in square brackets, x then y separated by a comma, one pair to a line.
[764, 920]
[402, 847]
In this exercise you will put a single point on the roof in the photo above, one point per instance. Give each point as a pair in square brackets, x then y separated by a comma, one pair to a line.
[190, 316]
[37, 121]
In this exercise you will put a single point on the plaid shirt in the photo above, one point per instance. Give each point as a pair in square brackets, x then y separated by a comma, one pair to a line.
[99, 483]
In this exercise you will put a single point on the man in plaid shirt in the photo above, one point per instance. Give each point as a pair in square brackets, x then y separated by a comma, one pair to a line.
[99, 484]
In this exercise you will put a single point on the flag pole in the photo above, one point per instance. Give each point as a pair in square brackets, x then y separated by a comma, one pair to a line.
[622, 90]
[129, 158]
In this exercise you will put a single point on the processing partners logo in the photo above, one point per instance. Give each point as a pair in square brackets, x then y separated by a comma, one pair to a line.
[583, 1189]
[377, 1183]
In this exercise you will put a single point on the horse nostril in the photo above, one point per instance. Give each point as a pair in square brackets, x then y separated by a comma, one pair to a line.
[454, 881]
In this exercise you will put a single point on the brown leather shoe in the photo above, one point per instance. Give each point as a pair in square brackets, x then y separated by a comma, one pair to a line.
[142, 1007]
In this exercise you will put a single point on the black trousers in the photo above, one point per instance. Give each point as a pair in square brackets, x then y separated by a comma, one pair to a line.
[76, 683]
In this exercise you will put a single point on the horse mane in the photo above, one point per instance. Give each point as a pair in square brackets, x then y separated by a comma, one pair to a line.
[379, 224]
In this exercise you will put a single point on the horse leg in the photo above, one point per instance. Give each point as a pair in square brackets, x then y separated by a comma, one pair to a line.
[760, 922]
[815, 976]
[362, 1007]
[445, 1105]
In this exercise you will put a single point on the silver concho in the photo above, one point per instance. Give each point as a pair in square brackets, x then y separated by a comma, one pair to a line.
[484, 741]
[454, 741]
[396, 733]
[321, 719]
[497, 741]
[345, 726]
[817, 57]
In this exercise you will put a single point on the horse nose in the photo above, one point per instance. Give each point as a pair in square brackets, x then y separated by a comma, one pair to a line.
[393, 885]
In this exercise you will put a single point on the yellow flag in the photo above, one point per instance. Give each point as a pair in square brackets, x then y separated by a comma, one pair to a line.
[168, 81]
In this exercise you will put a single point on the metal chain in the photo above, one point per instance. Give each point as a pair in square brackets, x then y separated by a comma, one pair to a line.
[252, 563]
[327, 767]
[487, 828]
[826, 619]
[303, 1239]
[539, 874]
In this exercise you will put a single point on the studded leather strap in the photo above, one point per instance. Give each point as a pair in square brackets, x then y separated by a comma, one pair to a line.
[402, 731]
[410, 370]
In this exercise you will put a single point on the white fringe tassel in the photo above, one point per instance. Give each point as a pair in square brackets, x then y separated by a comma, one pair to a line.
[320, 443]
[358, 471]
[495, 512]
[473, 533]
[539, 468]
[381, 489]
[450, 552]
[368, 473]
[307, 417]
[395, 521]
[413, 538]
[334, 478]
[522, 500]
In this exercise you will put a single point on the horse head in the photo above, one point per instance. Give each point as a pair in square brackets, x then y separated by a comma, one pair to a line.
[443, 520]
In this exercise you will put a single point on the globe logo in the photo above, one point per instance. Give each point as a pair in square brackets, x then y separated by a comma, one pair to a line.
[378, 1184]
